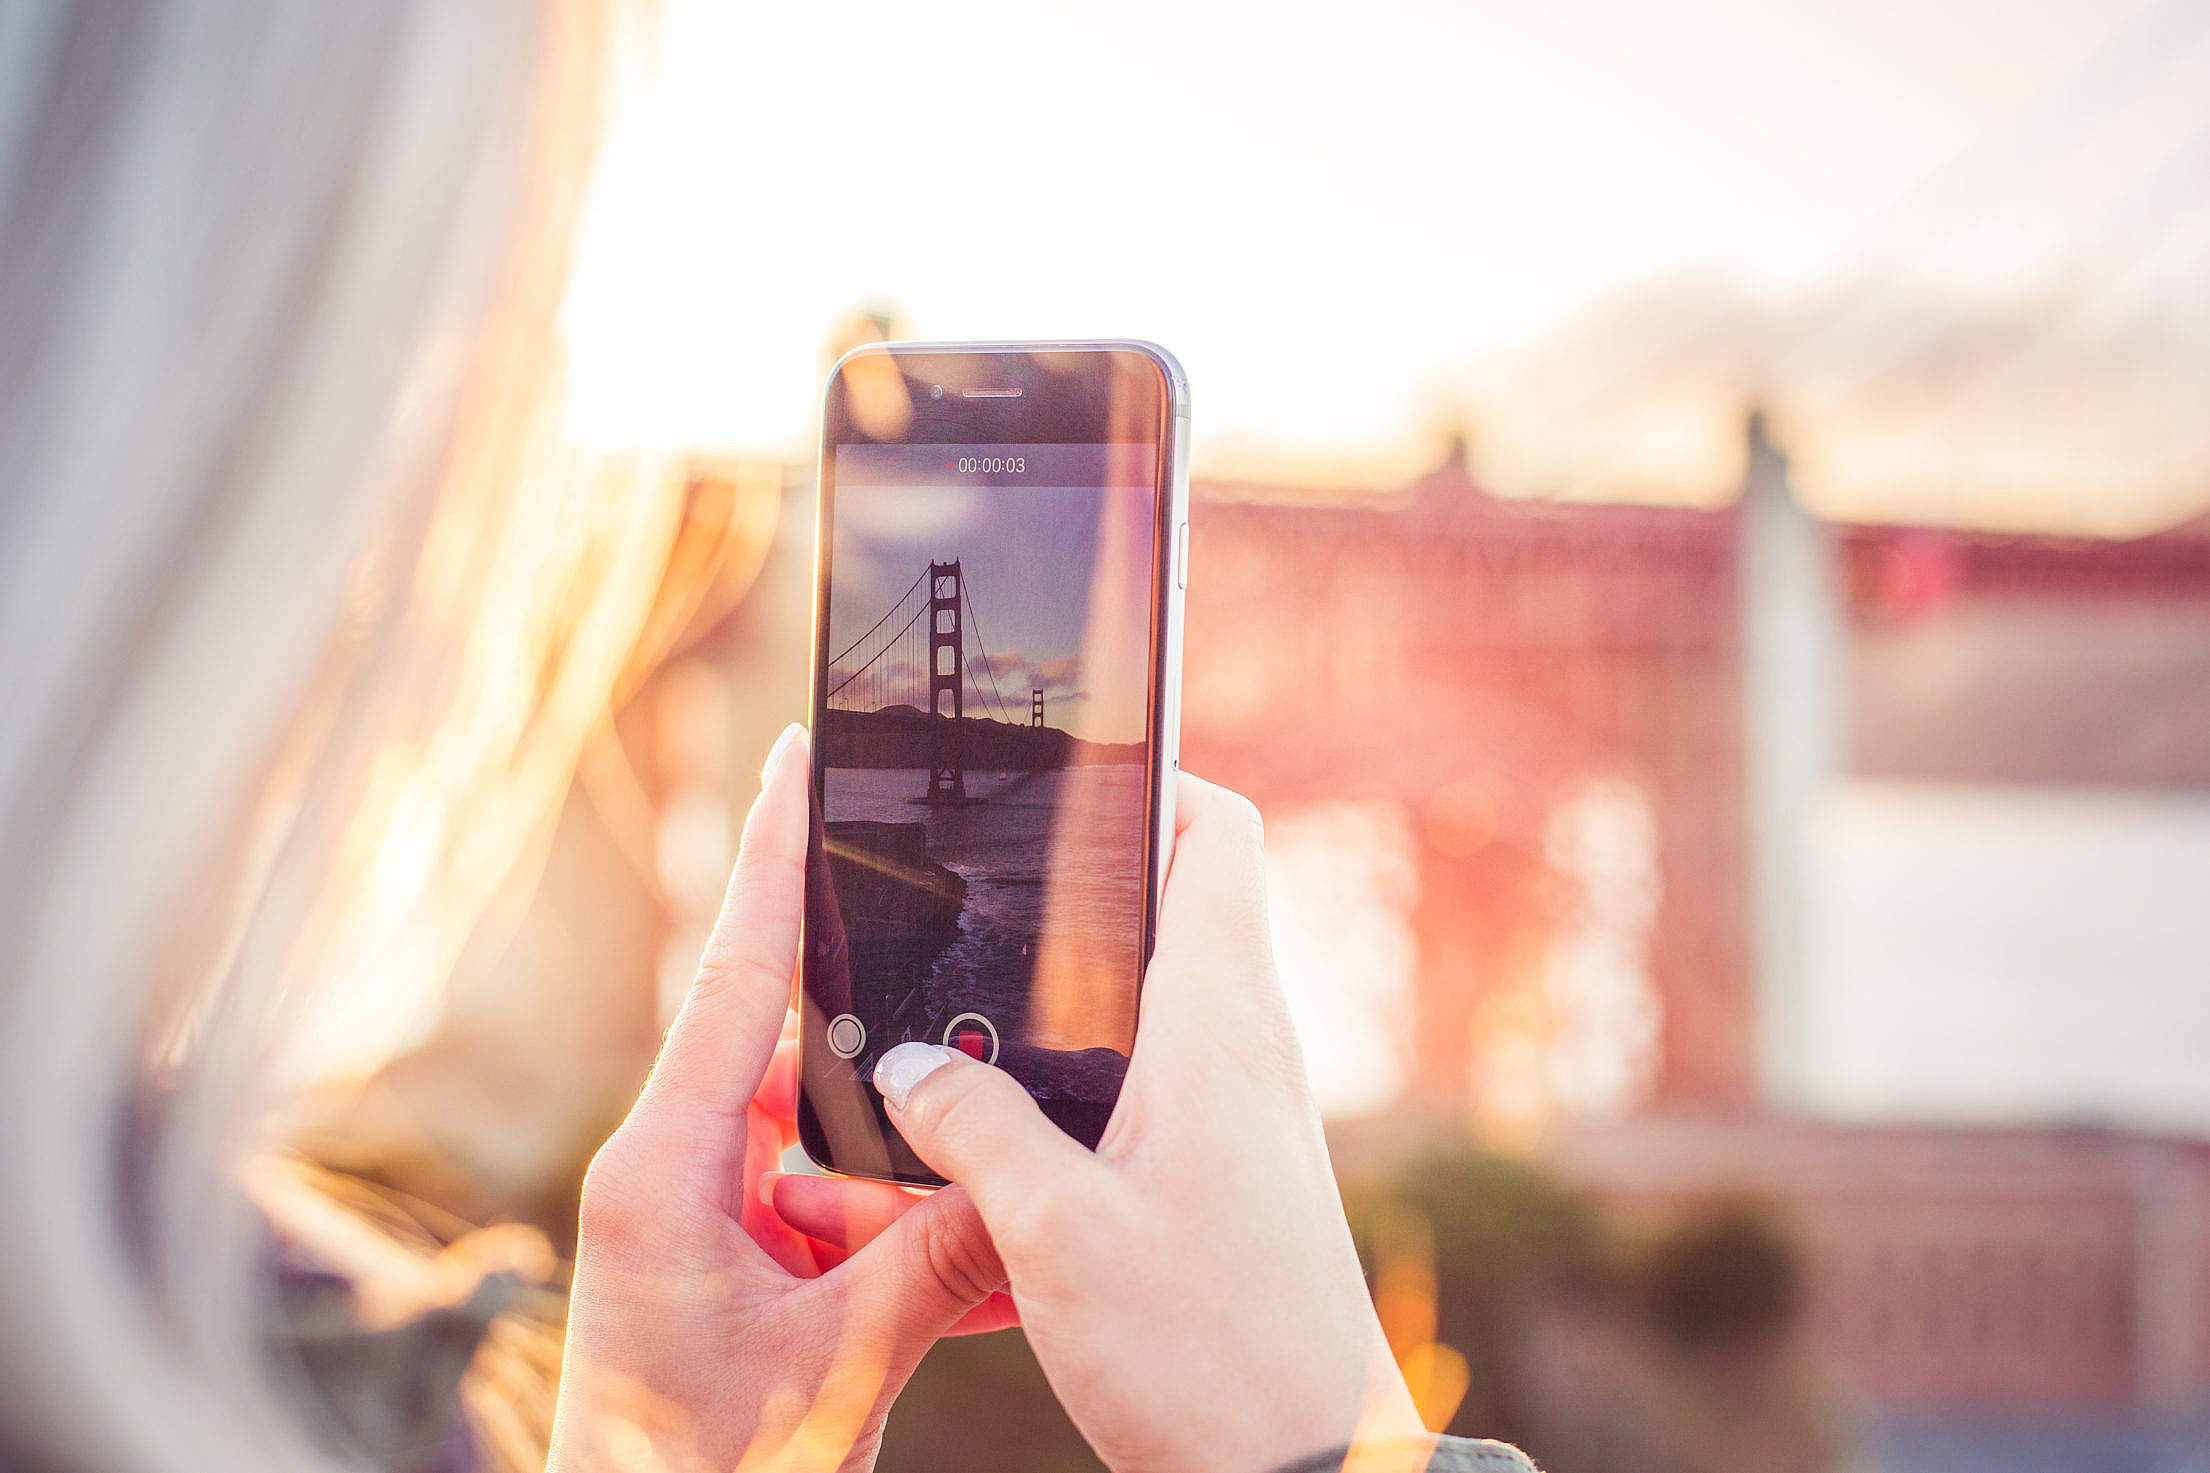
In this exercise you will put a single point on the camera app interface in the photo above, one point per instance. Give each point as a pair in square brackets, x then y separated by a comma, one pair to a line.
[978, 869]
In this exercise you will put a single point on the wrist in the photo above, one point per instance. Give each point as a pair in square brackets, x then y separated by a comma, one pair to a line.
[1362, 1409]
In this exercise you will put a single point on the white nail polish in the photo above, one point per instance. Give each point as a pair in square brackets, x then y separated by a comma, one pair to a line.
[905, 1066]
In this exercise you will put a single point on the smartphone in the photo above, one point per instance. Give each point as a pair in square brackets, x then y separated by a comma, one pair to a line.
[1001, 553]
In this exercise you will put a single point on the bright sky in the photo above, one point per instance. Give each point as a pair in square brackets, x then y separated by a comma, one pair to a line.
[1040, 564]
[1354, 223]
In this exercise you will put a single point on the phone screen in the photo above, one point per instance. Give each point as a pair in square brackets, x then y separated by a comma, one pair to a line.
[980, 874]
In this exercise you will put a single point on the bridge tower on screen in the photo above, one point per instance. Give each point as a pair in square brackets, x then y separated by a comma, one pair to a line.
[947, 682]
[1036, 706]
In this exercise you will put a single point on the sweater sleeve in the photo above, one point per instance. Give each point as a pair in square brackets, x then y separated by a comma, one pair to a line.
[1451, 1455]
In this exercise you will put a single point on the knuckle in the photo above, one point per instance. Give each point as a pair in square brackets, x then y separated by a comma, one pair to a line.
[726, 966]
[610, 1203]
[1244, 818]
[1053, 1220]
[760, 874]
[764, 867]
[950, 1104]
[959, 1258]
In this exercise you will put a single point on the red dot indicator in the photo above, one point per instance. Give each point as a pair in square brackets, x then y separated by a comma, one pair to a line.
[973, 1035]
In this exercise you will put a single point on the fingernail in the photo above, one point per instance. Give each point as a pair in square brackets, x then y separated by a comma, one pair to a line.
[905, 1066]
[767, 1186]
[791, 733]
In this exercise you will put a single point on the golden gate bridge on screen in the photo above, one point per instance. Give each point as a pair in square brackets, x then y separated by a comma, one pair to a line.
[915, 656]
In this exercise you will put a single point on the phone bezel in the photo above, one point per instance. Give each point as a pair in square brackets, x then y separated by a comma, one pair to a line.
[1072, 393]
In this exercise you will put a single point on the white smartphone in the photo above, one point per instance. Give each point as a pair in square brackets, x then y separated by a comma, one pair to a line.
[1001, 554]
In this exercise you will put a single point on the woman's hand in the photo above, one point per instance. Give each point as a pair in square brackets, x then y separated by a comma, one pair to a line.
[703, 1332]
[1191, 1289]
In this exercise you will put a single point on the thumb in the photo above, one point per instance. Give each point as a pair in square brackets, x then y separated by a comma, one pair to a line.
[974, 1125]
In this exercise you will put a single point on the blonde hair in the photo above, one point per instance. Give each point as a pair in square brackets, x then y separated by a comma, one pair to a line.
[305, 611]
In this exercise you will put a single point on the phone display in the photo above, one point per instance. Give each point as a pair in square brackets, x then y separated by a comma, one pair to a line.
[988, 749]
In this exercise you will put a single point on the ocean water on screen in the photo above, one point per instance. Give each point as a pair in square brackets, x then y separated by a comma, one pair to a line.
[1087, 821]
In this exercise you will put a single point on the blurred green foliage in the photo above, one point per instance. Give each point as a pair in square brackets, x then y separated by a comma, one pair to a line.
[1507, 1239]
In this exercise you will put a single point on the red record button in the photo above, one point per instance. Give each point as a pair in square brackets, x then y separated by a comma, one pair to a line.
[973, 1035]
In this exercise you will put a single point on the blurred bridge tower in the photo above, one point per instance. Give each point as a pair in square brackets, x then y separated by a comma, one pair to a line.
[1036, 706]
[948, 777]
[1792, 725]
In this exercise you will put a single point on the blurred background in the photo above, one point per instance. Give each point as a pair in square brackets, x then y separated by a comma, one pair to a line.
[1701, 552]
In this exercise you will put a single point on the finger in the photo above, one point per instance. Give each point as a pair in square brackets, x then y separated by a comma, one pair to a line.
[998, 1312]
[929, 1270]
[845, 1213]
[974, 1125]
[717, 1052]
[1212, 1016]
[843, 1216]
[778, 1091]
[1214, 955]
[763, 1150]
[1219, 858]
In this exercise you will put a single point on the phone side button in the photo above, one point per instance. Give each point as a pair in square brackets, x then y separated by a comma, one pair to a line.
[1181, 556]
